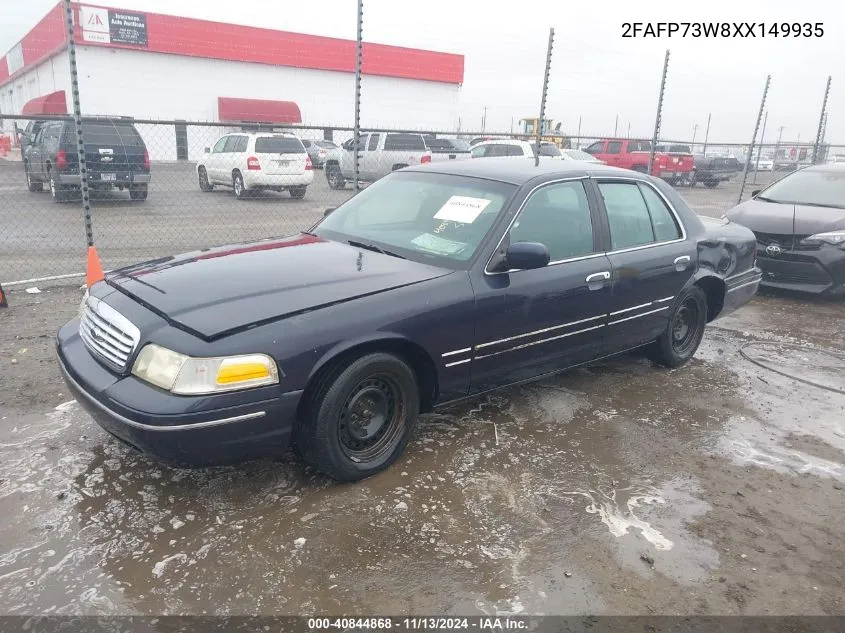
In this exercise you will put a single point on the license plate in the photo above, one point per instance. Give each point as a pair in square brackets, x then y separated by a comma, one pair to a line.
[108, 177]
[282, 163]
[669, 174]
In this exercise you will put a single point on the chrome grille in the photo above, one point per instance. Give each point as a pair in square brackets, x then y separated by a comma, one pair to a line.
[107, 334]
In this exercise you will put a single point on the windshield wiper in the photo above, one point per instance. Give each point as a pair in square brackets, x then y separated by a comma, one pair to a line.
[373, 247]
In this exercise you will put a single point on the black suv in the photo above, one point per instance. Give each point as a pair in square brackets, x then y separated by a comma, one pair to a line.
[115, 153]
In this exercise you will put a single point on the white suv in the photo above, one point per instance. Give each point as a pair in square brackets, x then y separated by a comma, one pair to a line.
[513, 148]
[250, 162]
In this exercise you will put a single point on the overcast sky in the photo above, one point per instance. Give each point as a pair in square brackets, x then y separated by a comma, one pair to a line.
[596, 74]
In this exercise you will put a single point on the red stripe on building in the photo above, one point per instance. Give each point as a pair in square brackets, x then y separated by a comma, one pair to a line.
[53, 103]
[191, 37]
[44, 40]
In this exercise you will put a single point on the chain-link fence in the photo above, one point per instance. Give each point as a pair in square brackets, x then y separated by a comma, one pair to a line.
[161, 186]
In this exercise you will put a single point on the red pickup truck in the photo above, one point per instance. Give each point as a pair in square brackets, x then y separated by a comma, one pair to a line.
[634, 155]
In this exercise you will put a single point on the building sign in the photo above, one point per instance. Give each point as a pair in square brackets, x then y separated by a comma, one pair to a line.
[14, 59]
[111, 26]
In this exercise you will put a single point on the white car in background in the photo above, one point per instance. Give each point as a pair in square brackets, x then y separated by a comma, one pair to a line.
[249, 162]
[577, 154]
[513, 149]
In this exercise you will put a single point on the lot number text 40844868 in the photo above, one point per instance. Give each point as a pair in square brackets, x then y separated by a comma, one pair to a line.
[722, 29]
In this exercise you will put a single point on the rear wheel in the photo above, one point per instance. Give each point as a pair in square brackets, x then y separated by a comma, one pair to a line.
[238, 186]
[710, 184]
[685, 330]
[335, 177]
[359, 417]
[297, 192]
[205, 185]
[31, 184]
[138, 192]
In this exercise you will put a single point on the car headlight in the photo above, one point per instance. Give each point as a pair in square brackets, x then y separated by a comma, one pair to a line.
[82, 303]
[835, 238]
[183, 375]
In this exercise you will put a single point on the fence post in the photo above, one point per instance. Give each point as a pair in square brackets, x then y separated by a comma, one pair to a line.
[659, 112]
[706, 134]
[754, 138]
[543, 97]
[821, 121]
[760, 149]
[94, 271]
[356, 133]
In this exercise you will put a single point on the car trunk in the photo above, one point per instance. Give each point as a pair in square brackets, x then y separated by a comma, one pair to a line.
[281, 155]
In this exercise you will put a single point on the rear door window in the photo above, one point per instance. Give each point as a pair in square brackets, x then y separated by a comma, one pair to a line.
[278, 145]
[372, 145]
[614, 147]
[404, 142]
[627, 214]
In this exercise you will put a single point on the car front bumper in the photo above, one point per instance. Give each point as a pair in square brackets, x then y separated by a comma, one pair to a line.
[819, 271]
[180, 430]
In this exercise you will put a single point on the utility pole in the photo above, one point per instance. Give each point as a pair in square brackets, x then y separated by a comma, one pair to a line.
[484, 120]
[760, 148]
[694, 131]
[706, 134]
[821, 121]
[615, 126]
[629, 130]
[578, 137]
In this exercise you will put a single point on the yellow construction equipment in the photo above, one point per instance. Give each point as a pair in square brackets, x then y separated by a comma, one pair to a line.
[549, 132]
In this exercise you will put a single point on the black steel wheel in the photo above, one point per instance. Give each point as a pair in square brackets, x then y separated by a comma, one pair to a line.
[32, 185]
[297, 192]
[358, 416]
[685, 330]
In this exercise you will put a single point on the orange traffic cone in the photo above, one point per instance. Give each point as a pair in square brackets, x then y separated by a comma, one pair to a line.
[94, 272]
[3, 302]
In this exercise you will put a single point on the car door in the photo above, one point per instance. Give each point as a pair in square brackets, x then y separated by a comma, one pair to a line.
[235, 155]
[530, 322]
[34, 155]
[651, 258]
[213, 161]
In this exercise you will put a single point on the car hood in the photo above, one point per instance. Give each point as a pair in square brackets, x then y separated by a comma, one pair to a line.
[787, 219]
[225, 289]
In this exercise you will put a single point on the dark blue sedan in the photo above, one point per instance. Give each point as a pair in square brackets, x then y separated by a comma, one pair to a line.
[434, 284]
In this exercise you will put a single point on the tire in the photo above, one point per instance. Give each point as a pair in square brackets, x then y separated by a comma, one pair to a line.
[297, 192]
[238, 186]
[711, 184]
[686, 326]
[57, 192]
[335, 177]
[138, 192]
[398, 167]
[329, 435]
[202, 175]
[32, 185]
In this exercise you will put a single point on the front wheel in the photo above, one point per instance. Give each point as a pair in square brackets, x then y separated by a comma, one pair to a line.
[297, 192]
[685, 330]
[335, 177]
[711, 184]
[205, 185]
[358, 418]
[138, 192]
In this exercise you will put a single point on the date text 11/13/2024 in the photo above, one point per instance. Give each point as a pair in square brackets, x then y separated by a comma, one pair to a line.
[723, 29]
[481, 623]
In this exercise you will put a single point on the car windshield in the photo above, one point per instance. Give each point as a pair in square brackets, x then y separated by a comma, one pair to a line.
[278, 145]
[439, 219]
[821, 188]
[547, 149]
[577, 154]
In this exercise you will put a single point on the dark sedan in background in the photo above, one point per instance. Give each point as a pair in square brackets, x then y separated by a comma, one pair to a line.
[434, 284]
[799, 223]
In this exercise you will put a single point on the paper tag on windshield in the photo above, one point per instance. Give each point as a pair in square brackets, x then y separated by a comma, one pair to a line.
[463, 209]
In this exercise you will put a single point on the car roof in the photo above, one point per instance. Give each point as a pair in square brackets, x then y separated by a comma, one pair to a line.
[519, 171]
[501, 141]
[831, 167]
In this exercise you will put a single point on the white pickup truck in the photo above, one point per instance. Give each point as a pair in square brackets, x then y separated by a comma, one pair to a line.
[445, 149]
[379, 154]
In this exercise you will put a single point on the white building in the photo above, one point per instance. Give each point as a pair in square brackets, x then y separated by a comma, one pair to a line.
[153, 66]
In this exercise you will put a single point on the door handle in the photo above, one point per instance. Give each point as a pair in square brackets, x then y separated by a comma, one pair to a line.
[681, 262]
[602, 276]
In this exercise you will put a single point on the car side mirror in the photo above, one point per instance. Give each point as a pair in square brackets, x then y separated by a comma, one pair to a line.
[755, 192]
[328, 211]
[527, 255]
[207, 150]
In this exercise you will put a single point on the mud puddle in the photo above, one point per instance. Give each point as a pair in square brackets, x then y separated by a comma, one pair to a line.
[611, 489]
